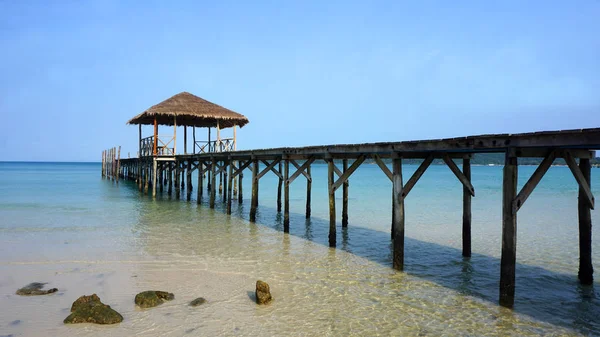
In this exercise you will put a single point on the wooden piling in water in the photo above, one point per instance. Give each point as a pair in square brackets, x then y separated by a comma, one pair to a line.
[213, 168]
[230, 185]
[308, 192]
[154, 168]
[189, 180]
[586, 269]
[279, 185]
[224, 172]
[331, 191]
[254, 201]
[200, 181]
[509, 230]
[177, 177]
[286, 195]
[240, 188]
[345, 196]
[170, 178]
[398, 214]
[466, 226]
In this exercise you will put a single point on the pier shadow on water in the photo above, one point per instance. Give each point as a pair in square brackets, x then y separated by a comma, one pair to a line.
[541, 294]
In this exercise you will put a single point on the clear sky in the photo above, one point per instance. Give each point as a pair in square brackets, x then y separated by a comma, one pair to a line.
[307, 72]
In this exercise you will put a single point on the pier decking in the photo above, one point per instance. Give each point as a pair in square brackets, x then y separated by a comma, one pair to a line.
[576, 147]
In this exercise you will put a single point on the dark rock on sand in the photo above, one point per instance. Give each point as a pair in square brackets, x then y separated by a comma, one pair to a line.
[89, 309]
[263, 292]
[35, 288]
[197, 302]
[152, 298]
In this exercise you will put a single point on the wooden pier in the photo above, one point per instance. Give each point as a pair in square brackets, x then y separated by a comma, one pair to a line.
[154, 170]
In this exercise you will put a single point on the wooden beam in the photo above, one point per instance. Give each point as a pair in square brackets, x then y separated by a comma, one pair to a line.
[583, 184]
[382, 166]
[307, 176]
[586, 269]
[270, 167]
[189, 180]
[240, 176]
[466, 183]
[533, 181]
[229, 188]
[277, 173]
[416, 176]
[200, 182]
[301, 169]
[242, 168]
[509, 231]
[279, 186]
[225, 180]
[466, 226]
[337, 171]
[398, 215]
[347, 174]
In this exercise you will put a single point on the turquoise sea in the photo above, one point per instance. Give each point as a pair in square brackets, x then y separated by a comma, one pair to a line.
[63, 224]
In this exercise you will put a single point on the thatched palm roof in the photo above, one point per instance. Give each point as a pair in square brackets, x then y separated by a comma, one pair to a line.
[190, 110]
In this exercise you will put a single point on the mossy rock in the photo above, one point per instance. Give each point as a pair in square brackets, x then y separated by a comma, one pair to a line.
[89, 309]
[263, 292]
[152, 298]
[198, 301]
[35, 288]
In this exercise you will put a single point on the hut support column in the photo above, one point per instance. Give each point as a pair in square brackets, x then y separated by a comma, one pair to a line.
[185, 139]
[331, 190]
[254, 202]
[586, 270]
[466, 228]
[509, 231]
[345, 196]
[398, 214]
[308, 191]
[286, 196]
[200, 181]
[170, 177]
[279, 184]
[230, 189]
[213, 167]
[147, 177]
[160, 177]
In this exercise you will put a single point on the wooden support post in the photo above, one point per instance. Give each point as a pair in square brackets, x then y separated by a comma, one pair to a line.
[155, 137]
[170, 177]
[209, 179]
[213, 168]
[398, 214]
[154, 177]
[279, 185]
[189, 179]
[586, 270]
[308, 191]
[235, 182]
[182, 176]
[175, 135]
[147, 177]
[177, 175]
[466, 227]
[194, 139]
[254, 202]
[331, 190]
[200, 181]
[224, 172]
[118, 163]
[345, 196]
[509, 231]
[161, 173]
[220, 182]
[230, 185]
[240, 191]
[286, 196]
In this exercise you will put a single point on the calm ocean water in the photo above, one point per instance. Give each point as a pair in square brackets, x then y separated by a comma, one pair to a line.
[61, 223]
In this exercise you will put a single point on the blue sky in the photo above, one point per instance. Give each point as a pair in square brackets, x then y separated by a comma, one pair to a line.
[304, 73]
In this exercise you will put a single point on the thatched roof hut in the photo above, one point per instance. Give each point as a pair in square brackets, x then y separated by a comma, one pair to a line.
[186, 109]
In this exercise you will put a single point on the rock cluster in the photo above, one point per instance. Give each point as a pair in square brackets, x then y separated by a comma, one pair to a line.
[89, 309]
[152, 298]
[35, 288]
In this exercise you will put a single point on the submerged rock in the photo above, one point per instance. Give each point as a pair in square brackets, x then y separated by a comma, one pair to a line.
[152, 298]
[35, 288]
[263, 292]
[198, 301]
[89, 309]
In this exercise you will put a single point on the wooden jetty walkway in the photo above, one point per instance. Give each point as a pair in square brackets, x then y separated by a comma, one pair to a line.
[158, 166]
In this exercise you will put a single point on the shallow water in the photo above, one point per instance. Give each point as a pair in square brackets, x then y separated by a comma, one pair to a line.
[63, 224]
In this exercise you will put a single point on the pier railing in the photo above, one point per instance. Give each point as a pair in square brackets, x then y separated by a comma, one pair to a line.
[162, 148]
[223, 145]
